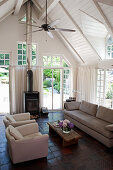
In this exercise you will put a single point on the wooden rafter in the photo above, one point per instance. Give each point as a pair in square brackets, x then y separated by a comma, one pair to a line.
[79, 29]
[68, 43]
[106, 21]
[10, 12]
[37, 5]
[91, 17]
[6, 15]
[29, 29]
[18, 6]
[51, 5]
[3, 2]
[107, 2]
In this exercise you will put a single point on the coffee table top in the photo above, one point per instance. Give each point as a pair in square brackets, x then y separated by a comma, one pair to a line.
[66, 136]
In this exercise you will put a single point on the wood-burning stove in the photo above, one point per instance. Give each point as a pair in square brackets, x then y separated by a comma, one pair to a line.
[31, 102]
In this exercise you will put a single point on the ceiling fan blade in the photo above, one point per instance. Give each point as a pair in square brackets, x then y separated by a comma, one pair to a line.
[54, 23]
[50, 34]
[62, 29]
[31, 25]
[33, 31]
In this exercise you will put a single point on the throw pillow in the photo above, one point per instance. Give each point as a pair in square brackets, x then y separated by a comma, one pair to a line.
[89, 108]
[72, 105]
[109, 127]
[15, 133]
[10, 118]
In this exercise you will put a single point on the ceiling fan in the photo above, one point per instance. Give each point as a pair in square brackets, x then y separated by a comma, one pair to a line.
[49, 27]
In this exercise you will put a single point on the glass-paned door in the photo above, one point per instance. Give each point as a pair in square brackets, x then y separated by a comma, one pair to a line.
[4, 90]
[66, 84]
[109, 89]
[52, 95]
[47, 88]
[57, 89]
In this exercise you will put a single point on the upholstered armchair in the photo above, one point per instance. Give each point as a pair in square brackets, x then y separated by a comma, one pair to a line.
[17, 119]
[26, 143]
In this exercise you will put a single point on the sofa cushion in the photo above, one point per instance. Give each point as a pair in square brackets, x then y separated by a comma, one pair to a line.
[88, 108]
[72, 105]
[92, 122]
[109, 127]
[15, 133]
[10, 118]
[105, 114]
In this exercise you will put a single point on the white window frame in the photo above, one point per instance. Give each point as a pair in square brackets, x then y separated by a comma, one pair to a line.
[20, 42]
[5, 52]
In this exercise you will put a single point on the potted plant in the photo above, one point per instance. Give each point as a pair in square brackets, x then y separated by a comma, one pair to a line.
[66, 126]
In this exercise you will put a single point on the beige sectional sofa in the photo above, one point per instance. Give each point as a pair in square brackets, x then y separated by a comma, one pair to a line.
[94, 120]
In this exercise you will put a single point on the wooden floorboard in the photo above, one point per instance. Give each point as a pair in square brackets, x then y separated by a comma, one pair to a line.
[88, 154]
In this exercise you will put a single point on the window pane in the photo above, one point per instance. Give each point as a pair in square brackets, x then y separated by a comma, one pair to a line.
[24, 57]
[33, 52]
[24, 51]
[64, 64]
[45, 60]
[19, 51]
[112, 55]
[33, 47]
[19, 46]
[24, 46]
[19, 62]
[1, 56]
[6, 62]
[19, 57]
[24, 62]
[1, 62]
[6, 56]
[56, 61]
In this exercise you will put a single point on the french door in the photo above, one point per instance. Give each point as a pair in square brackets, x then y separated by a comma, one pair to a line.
[52, 89]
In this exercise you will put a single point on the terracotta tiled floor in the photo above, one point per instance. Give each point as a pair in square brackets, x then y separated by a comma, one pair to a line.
[88, 154]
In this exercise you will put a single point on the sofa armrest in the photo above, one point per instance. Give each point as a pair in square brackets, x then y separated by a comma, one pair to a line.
[20, 123]
[21, 116]
[28, 129]
[6, 122]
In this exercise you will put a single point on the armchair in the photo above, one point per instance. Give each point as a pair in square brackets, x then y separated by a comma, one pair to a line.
[17, 119]
[31, 145]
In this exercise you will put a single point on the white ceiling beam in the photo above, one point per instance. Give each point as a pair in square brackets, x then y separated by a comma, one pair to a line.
[6, 15]
[79, 29]
[107, 2]
[18, 6]
[51, 5]
[72, 48]
[106, 21]
[68, 43]
[3, 2]
[37, 5]
[91, 16]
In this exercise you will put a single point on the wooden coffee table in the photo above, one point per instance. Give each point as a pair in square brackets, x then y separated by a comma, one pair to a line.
[68, 138]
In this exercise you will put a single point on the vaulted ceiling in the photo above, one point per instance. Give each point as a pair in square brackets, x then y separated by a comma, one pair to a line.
[92, 20]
